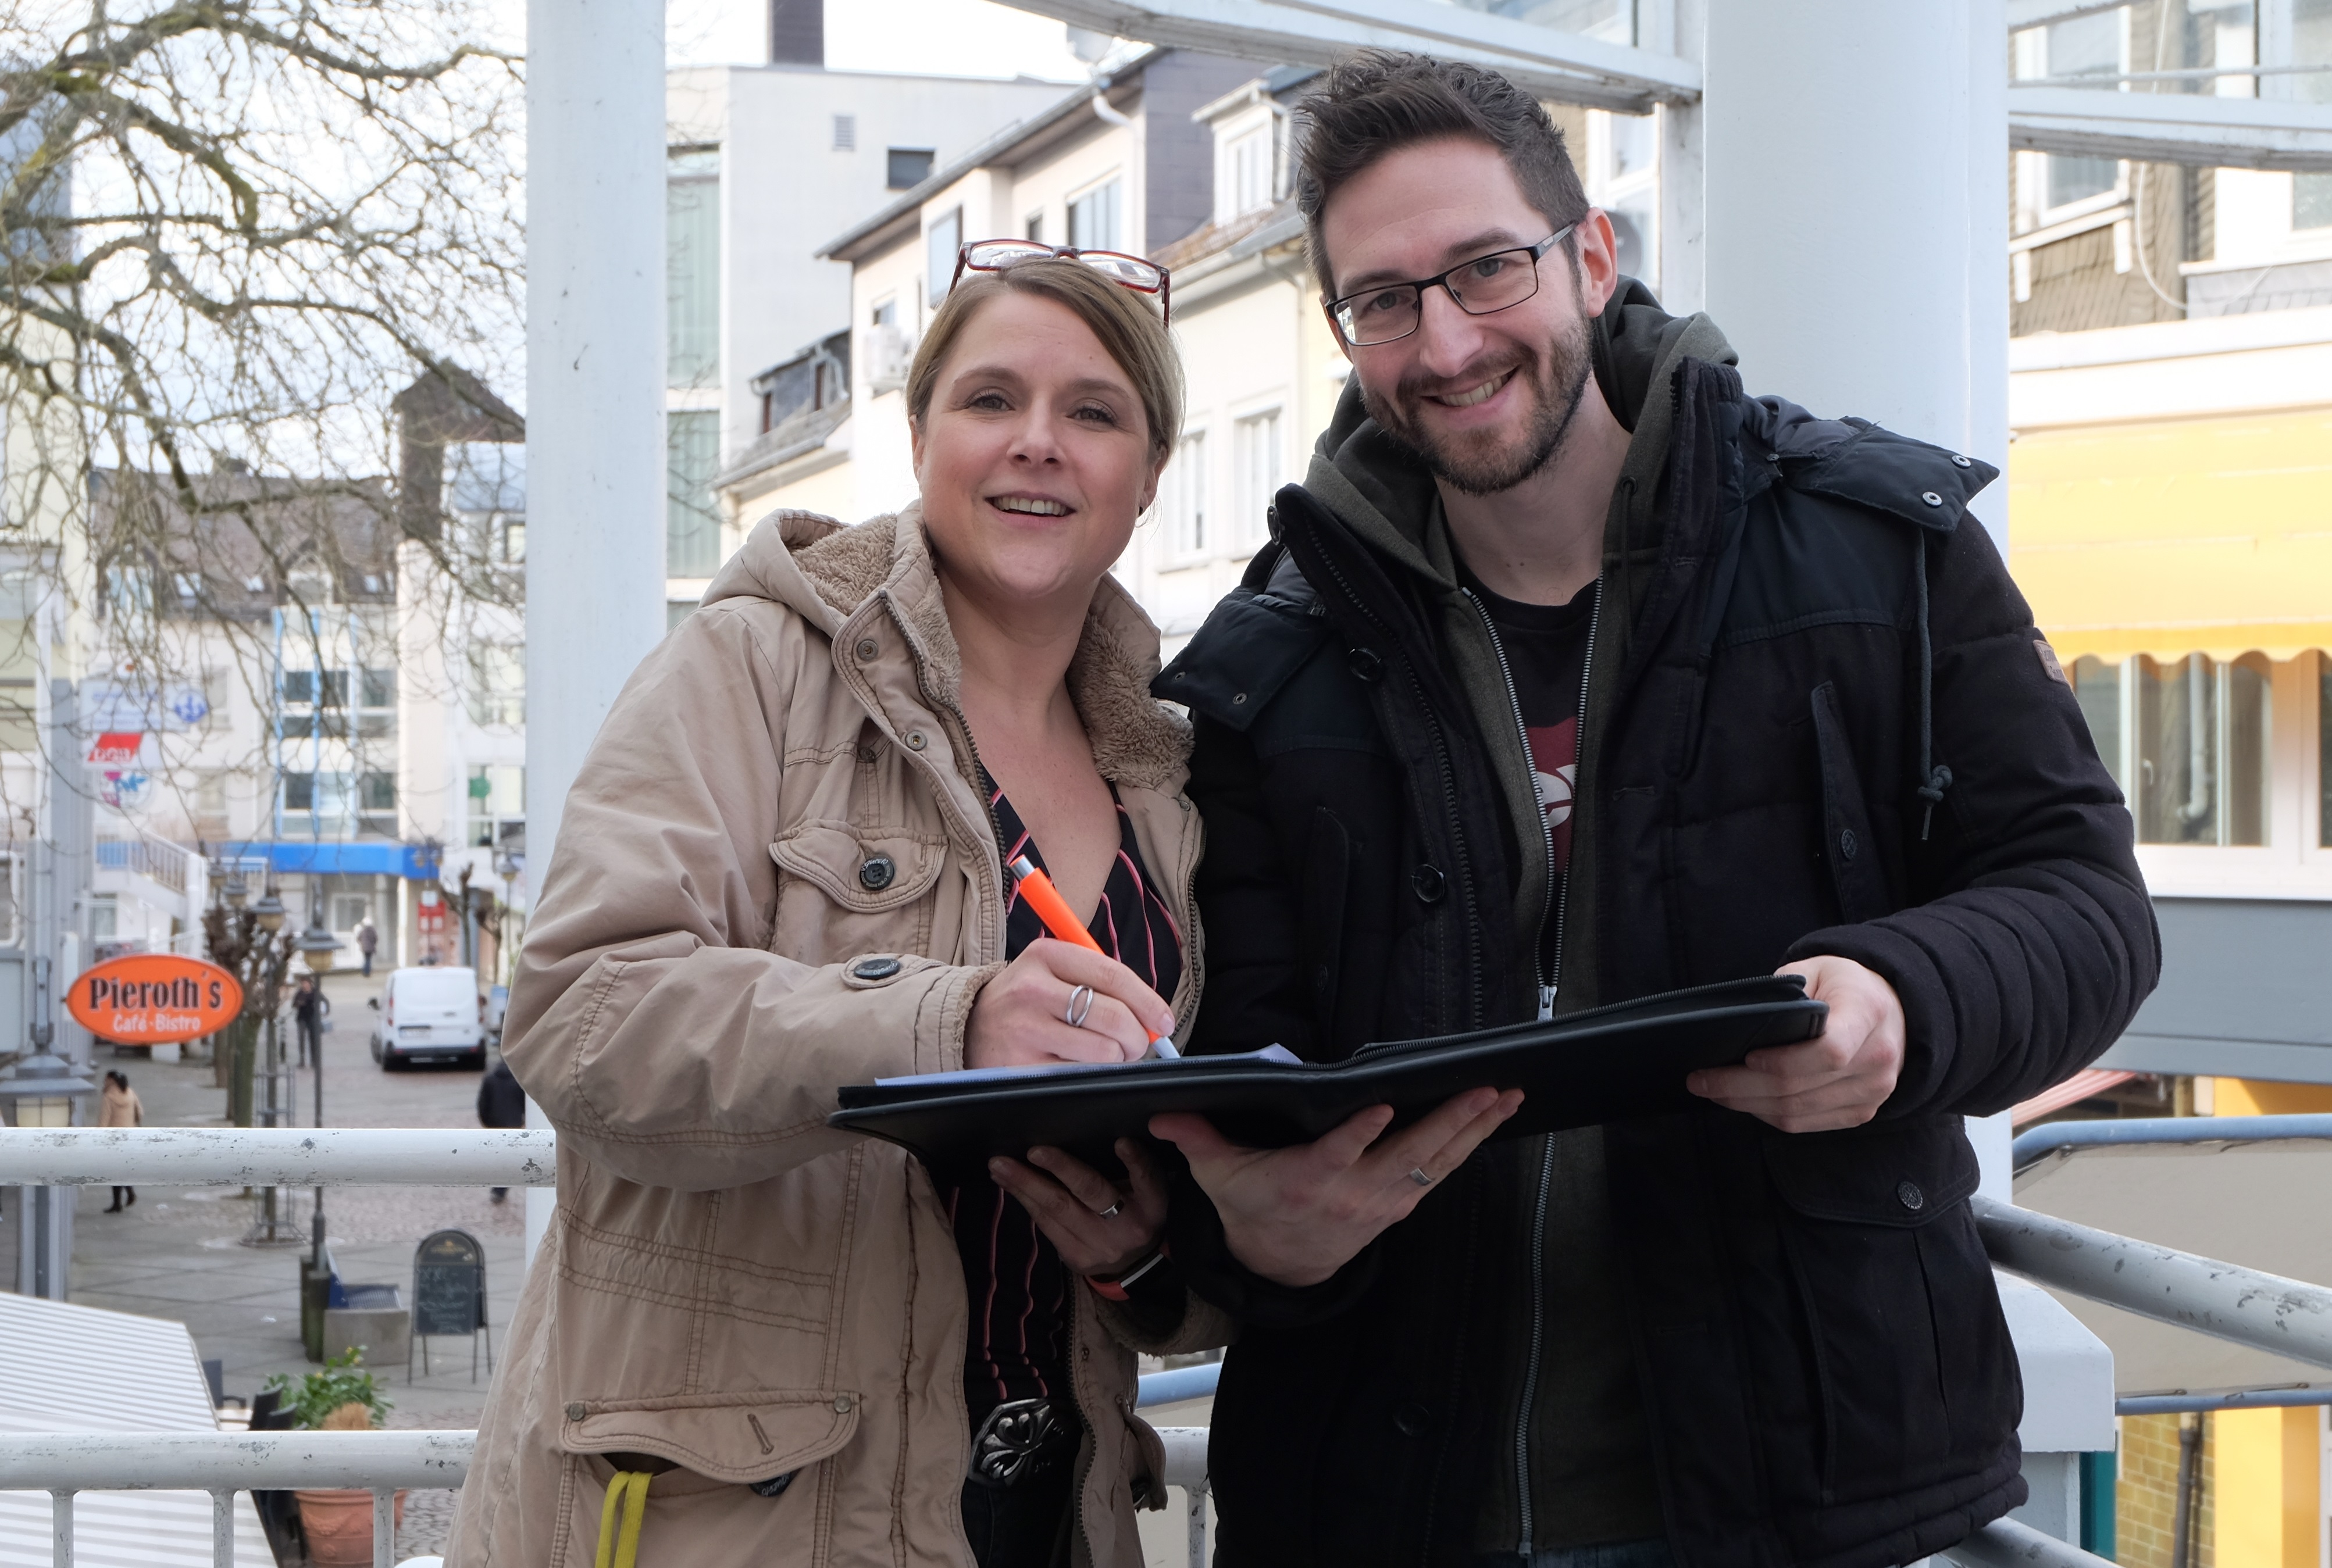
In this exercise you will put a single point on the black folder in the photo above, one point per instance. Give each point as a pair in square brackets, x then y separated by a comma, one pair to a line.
[1603, 1065]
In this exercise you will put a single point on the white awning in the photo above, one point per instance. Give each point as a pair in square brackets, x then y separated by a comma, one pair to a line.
[79, 1369]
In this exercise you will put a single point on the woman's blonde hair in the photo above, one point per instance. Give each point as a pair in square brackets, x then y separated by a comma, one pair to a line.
[1124, 322]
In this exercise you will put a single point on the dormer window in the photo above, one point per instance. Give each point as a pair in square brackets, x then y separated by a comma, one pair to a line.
[1250, 171]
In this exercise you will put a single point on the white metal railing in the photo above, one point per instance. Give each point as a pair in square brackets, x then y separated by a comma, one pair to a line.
[152, 858]
[2286, 1317]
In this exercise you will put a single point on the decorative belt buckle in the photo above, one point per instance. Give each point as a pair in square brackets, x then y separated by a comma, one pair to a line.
[1021, 1439]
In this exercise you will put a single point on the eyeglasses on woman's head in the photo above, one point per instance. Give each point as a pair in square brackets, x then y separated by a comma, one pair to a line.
[1144, 277]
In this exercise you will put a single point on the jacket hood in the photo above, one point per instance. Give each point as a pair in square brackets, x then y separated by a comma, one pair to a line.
[828, 573]
[1375, 483]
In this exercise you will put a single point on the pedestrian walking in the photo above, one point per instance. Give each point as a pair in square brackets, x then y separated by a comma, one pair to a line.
[310, 1007]
[118, 1107]
[782, 868]
[367, 943]
[500, 1103]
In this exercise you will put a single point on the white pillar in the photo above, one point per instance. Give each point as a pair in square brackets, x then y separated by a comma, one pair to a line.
[1855, 182]
[595, 388]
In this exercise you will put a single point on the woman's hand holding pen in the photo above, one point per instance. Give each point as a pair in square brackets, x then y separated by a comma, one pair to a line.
[1060, 1002]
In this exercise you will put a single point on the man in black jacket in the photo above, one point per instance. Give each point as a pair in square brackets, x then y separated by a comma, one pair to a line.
[1574, 675]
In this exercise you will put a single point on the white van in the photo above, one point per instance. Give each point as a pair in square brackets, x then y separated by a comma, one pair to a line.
[429, 1015]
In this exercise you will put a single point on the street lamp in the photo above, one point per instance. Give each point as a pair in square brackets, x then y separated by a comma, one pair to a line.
[42, 1090]
[236, 892]
[316, 947]
[40, 1093]
[270, 912]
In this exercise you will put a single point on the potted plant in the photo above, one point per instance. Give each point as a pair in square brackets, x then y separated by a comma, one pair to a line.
[339, 1397]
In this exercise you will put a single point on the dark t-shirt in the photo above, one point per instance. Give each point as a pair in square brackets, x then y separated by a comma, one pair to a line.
[1546, 653]
[1590, 1447]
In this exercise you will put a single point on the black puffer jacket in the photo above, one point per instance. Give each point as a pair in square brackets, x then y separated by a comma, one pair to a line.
[1826, 1375]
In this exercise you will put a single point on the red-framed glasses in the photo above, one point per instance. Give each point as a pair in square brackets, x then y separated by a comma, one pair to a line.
[1141, 276]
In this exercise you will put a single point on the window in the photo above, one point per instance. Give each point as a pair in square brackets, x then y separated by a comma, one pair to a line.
[1255, 478]
[2188, 742]
[1185, 497]
[909, 167]
[1035, 227]
[846, 133]
[942, 241]
[692, 268]
[2323, 750]
[104, 919]
[675, 611]
[2311, 201]
[498, 683]
[377, 688]
[1251, 157]
[12, 924]
[2084, 46]
[1093, 219]
[692, 534]
[497, 796]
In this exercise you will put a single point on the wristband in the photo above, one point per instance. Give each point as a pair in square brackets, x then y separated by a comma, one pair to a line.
[1119, 1288]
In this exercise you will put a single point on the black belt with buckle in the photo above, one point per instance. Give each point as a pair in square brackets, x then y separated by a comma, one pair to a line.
[1023, 1440]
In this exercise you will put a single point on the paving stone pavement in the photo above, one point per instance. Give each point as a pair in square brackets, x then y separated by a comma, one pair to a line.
[183, 1253]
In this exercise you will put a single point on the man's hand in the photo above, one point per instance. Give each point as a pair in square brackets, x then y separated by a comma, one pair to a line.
[1297, 1215]
[1838, 1080]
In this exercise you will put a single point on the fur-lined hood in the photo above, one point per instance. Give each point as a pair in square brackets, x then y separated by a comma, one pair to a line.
[826, 573]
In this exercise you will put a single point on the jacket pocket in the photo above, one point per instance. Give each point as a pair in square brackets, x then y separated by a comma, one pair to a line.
[844, 889]
[1856, 868]
[711, 1458]
[1917, 1379]
[1327, 881]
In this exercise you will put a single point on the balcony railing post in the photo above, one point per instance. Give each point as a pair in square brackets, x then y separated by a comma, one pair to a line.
[1198, 1502]
[222, 1529]
[384, 1525]
[61, 1515]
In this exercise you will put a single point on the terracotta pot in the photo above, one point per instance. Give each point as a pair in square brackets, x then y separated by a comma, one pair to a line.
[338, 1526]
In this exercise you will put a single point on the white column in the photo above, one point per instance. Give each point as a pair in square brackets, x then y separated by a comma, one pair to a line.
[595, 388]
[1855, 182]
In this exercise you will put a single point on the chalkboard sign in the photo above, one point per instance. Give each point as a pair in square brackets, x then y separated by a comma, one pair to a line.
[449, 1284]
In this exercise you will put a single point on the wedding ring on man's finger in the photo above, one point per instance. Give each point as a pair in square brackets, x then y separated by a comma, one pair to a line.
[1417, 1174]
[1080, 1004]
[1110, 1212]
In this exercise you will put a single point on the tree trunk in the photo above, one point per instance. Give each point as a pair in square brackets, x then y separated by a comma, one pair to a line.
[245, 1051]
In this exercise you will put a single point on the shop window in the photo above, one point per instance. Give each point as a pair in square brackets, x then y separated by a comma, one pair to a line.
[2323, 750]
[2202, 750]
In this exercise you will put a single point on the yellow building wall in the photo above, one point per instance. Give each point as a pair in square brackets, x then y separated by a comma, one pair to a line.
[2145, 1495]
[2270, 1502]
[2244, 1097]
[2176, 536]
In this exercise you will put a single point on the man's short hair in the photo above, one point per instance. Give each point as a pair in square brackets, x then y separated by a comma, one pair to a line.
[1380, 101]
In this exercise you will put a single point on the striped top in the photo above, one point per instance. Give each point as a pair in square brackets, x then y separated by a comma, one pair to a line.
[1019, 1347]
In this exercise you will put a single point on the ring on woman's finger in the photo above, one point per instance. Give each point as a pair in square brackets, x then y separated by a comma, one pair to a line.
[1417, 1174]
[1081, 1001]
[1110, 1212]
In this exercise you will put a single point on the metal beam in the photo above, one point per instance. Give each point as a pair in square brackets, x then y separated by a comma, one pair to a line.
[1567, 67]
[2173, 127]
[2024, 14]
[2008, 1544]
[277, 1156]
[2287, 1317]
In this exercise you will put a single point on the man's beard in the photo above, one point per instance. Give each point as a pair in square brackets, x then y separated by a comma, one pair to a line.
[1478, 464]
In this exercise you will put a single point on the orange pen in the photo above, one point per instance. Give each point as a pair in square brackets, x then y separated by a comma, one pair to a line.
[1062, 921]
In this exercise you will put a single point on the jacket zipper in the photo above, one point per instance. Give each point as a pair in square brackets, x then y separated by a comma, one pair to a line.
[1549, 978]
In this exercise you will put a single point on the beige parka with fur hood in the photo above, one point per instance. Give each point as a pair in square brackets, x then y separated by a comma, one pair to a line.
[729, 1286]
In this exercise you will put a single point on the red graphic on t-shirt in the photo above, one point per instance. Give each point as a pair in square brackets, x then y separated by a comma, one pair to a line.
[1554, 755]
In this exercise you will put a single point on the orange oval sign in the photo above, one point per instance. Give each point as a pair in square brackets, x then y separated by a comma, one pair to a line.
[154, 999]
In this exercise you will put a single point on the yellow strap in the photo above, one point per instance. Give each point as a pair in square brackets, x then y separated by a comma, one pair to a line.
[631, 1488]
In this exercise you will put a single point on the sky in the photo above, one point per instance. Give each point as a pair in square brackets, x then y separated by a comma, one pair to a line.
[939, 37]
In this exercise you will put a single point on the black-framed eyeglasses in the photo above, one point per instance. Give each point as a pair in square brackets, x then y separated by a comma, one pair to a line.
[1141, 276]
[1389, 312]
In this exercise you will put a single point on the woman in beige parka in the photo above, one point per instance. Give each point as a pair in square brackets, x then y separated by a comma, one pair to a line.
[751, 1339]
